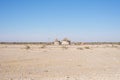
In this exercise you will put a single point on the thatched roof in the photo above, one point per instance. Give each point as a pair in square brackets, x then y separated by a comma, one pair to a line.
[65, 39]
[56, 40]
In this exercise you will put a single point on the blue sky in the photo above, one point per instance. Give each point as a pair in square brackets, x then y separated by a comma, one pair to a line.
[45, 20]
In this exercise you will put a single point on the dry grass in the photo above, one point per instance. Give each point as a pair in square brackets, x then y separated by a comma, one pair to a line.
[114, 46]
[64, 47]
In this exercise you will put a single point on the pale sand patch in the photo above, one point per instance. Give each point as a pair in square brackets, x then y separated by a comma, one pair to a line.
[98, 62]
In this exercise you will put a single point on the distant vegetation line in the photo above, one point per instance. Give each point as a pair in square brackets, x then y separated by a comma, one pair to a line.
[50, 43]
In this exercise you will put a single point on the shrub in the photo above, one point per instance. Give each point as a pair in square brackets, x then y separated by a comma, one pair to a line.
[27, 47]
[80, 48]
[43, 46]
[118, 43]
[46, 71]
[87, 47]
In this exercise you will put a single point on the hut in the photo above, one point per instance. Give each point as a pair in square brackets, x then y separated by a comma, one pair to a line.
[65, 41]
[57, 42]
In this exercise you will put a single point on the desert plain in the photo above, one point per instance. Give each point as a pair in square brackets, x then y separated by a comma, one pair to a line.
[50, 62]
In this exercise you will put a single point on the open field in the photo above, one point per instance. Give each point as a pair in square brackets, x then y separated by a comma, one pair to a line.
[76, 62]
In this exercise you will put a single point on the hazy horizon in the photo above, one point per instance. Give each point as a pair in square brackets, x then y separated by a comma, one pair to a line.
[46, 20]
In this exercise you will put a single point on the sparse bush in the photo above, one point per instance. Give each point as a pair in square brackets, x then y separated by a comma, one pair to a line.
[79, 43]
[80, 48]
[43, 46]
[67, 77]
[11, 79]
[118, 43]
[87, 47]
[5, 46]
[27, 47]
[46, 71]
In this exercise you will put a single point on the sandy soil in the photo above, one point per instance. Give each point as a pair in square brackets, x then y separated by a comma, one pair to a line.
[86, 62]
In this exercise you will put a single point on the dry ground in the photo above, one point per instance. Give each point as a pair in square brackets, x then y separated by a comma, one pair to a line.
[37, 62]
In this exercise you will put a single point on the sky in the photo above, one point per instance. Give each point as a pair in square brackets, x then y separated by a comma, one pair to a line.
[46, 20]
